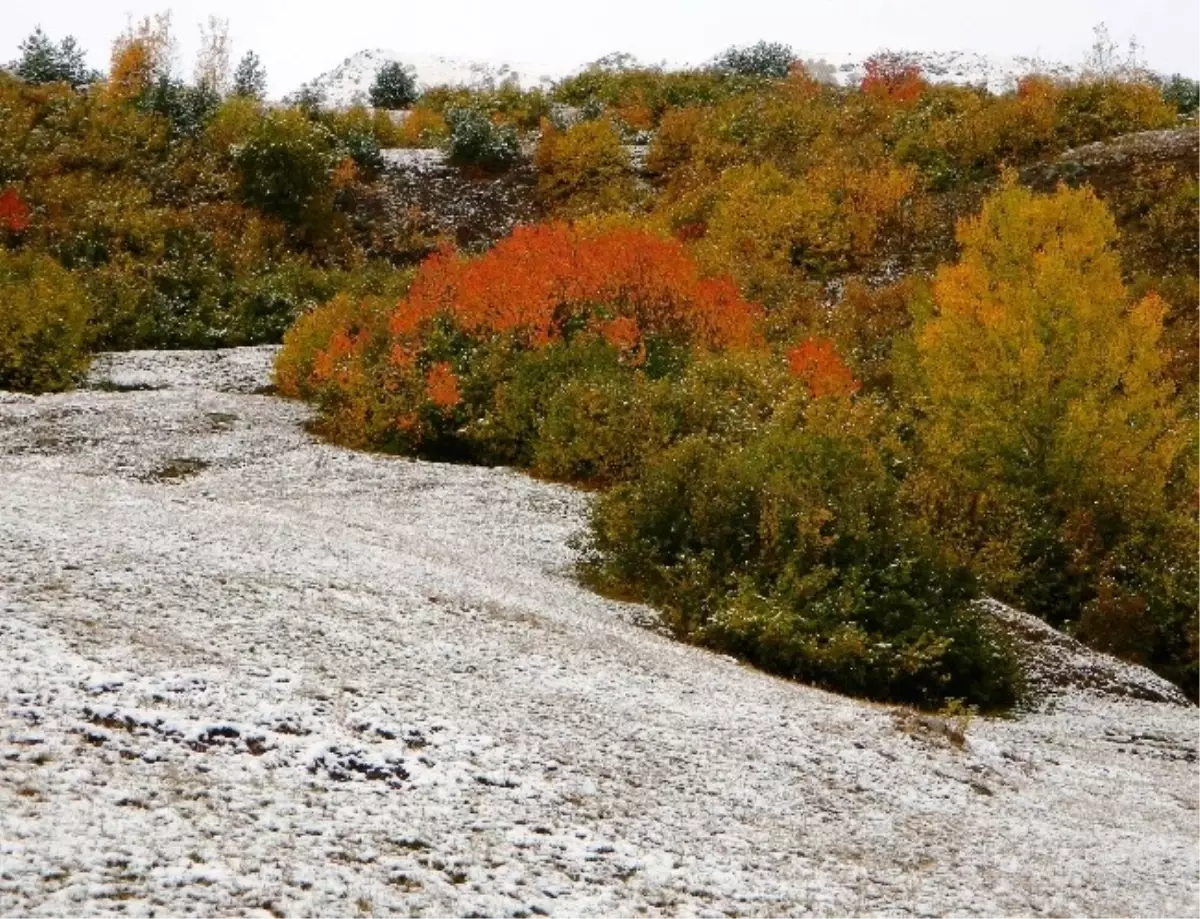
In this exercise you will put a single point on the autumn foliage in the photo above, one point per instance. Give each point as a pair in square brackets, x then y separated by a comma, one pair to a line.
[816, 362]
[14, 213]
[543, 282]
[416, 376]
[892, 78]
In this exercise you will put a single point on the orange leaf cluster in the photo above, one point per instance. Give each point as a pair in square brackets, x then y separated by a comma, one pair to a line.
[14, 213]
[442, 386]
[891, 77]
[816, 362]
[544, 280]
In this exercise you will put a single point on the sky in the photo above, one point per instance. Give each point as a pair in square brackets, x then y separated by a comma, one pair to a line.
[300, 39]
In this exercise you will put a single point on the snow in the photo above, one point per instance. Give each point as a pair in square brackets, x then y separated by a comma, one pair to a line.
[294, 679]
[349, 82]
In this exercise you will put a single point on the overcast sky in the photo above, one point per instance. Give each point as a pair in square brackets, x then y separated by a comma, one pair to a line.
[299, 39]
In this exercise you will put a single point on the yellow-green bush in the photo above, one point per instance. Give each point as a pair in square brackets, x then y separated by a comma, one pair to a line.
[583, 170]
[43, 324]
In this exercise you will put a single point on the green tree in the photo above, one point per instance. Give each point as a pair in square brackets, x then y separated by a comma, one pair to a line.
[285, 167]
[250, 77]
[395, 87]
[762, 59]
[42, 61]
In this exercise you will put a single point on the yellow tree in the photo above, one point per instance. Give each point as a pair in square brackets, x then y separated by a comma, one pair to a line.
[1057, 452]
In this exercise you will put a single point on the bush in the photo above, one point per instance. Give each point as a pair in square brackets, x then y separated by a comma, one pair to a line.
[791, 551]
[477, 140]
[284, 167]
[770, 60]
[638, 295]
[422, 127]
[584, 169]
[43, 324]
[395, 87]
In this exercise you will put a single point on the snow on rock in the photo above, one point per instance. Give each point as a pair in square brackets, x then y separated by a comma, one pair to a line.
[1057, 665]
[300, 680]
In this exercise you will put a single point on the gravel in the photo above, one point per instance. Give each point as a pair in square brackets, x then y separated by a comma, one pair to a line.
[245, 672]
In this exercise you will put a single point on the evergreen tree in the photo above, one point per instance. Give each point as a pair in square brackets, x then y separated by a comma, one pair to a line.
[395, 87]
[764, 59]
[42, 61]
[250, 77]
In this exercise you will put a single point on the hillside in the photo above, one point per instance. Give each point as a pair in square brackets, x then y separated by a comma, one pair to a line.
[348, 83]
[247, 671]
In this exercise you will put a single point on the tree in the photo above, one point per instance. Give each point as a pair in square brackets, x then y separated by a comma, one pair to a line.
[285, 166]
[1059, 452]
[767, 59]
[250, 77]
[395, 87]
[476, 140]
[142, 56]
[212, 60]
[1183, 93]
[42, 61]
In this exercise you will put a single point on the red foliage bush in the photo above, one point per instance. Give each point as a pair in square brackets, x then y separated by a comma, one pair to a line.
[816, 362]
[544, 281]
[890, 76]
[14, 213]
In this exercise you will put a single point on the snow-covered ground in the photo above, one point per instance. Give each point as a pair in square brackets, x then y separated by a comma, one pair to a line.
[244, 672]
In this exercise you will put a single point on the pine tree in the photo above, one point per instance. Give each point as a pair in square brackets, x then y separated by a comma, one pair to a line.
[395, 87]
[250, 77]
[767, 59]
[42, 61]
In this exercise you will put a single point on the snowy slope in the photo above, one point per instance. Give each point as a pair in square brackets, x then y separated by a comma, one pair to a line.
[246, 673]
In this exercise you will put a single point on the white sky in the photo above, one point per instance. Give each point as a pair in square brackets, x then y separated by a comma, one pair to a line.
[300, 39]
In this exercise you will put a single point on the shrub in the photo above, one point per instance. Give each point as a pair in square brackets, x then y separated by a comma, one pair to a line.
[395, 87]
[771, 60]
[579, 412]
[1094, 110]
[636, 294]
[584, 169]
[477, 140]
[422, 127]
[43, 324]
[284, 167]
[14, 213]
[791, 551]
[893, 78]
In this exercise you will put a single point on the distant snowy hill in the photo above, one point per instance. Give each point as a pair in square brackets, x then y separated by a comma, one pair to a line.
[964, 67]
[349, 82]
